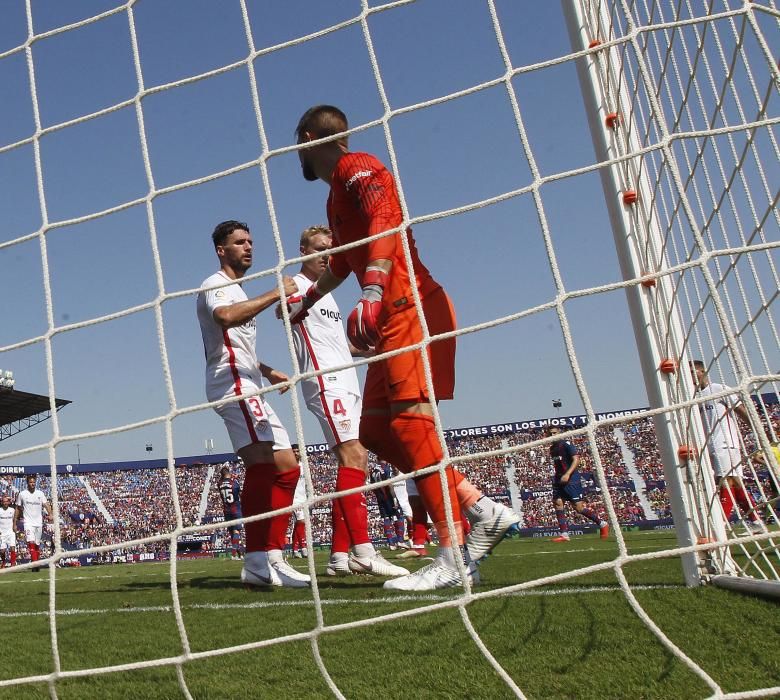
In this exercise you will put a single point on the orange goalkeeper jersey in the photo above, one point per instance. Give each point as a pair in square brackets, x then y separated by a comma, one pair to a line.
[363, 201]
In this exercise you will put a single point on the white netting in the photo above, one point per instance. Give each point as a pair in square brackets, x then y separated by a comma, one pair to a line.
[692, 85]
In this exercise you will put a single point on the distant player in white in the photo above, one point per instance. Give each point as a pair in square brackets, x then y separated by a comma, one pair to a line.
[7, 531]
[31, 504]
[723, 441]
[228, 326]
[334, 398]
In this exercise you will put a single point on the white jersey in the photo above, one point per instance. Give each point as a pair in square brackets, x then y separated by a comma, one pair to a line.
[720, 423]
[32, 507]
[6, 519]
[231, 358]
[320, 343]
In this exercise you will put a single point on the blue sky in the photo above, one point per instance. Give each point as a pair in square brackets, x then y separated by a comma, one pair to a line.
[492, 260]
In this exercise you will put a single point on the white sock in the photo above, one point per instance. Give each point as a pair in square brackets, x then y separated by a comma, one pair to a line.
[364, 550]
[256, 558]
[338, 556]
[274, 555]
[447, 558]
[481, 510]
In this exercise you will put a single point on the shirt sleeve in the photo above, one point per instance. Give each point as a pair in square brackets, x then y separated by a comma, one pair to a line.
[217, 298]
[371, 188]
[338, 265]
[571, 450]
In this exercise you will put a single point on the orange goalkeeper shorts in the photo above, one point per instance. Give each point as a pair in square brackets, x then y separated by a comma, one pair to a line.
[402, 377]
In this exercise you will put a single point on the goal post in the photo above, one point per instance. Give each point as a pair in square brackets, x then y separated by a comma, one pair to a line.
[690, 214]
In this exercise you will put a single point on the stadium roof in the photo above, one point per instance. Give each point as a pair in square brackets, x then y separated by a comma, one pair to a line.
[20, 410]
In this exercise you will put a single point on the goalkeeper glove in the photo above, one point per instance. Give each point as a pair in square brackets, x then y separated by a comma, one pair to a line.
[298, 306]
[362, 322]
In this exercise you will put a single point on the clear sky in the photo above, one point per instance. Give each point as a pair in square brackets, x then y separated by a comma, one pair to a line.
[492, 260]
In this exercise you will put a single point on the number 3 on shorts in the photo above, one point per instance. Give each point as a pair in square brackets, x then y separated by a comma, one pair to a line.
[256, 406]
[338, 408]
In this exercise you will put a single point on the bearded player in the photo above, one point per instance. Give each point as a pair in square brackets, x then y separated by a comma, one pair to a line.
[229, 330]
[397, 417]
[31, 504]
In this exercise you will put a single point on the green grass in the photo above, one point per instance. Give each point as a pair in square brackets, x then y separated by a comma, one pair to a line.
[578, 638]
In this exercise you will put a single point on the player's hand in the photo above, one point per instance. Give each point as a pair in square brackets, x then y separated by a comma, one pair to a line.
[277, 377]
[290, 287]
[362, 324]
[564, 478]
[296, 307]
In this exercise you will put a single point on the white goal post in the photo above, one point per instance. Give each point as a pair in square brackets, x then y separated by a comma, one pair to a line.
[677, 95]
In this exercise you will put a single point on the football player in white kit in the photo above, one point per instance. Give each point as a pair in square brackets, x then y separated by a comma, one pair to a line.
[31, 504]
[7, 531]
[228, 326]
[334, 398]
[723, 442]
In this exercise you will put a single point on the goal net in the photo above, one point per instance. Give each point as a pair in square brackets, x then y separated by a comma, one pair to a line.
[681, 100]
[680, 112]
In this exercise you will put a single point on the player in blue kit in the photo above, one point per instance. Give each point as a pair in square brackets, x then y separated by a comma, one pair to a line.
[393, 522]
[567, 486]
[230, 494]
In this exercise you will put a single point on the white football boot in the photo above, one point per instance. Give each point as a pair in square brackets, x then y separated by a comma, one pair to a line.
[375, 565]
[267, 569]
[441, 573]
[489, 525]
[338, 565]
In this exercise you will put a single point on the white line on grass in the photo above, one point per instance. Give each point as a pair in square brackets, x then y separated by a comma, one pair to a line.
[431, 597]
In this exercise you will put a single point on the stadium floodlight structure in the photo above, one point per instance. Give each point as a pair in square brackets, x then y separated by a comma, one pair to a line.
[6, 380]
[678, 97]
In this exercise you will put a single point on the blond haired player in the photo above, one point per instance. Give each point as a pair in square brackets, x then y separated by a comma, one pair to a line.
[31, 504]
[7, 531]
[334, 399]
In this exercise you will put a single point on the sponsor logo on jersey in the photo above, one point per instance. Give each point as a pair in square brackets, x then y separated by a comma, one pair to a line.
[356, 177]
[329, 313]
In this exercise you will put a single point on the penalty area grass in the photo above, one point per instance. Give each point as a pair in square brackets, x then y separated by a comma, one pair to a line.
[577, 638]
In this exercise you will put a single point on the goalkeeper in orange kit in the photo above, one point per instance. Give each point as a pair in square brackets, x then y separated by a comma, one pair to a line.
[397, 419]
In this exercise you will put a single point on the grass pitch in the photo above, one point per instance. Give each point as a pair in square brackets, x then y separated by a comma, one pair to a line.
[578, 638]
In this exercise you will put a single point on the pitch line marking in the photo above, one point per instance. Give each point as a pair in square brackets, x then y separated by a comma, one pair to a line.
[431, 597]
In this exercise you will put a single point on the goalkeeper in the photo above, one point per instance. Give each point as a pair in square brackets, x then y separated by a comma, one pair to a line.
[397, 418]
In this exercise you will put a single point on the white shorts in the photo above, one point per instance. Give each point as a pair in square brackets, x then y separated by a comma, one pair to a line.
[7, 539]
[300, 497]
[33, 533]
[338, 412]
[726, 461]
[400, 488]
[253, 420]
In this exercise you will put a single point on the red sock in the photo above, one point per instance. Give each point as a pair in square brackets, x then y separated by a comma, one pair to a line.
[745, 502]
[419, 522]
[299, 534]
[353, 507]
[34, 552]
[726, 501]
[13, 557]
[256, 499]
[340, 538]
[282, 494]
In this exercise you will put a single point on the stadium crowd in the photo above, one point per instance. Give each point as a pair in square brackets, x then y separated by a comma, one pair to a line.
[133, 504]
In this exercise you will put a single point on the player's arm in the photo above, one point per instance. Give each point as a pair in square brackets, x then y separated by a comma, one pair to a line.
[274, 376]
[298, 306]
[47, 509]
[232, 315]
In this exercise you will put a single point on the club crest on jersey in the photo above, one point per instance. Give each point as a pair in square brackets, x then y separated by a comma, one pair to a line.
[345, 425]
